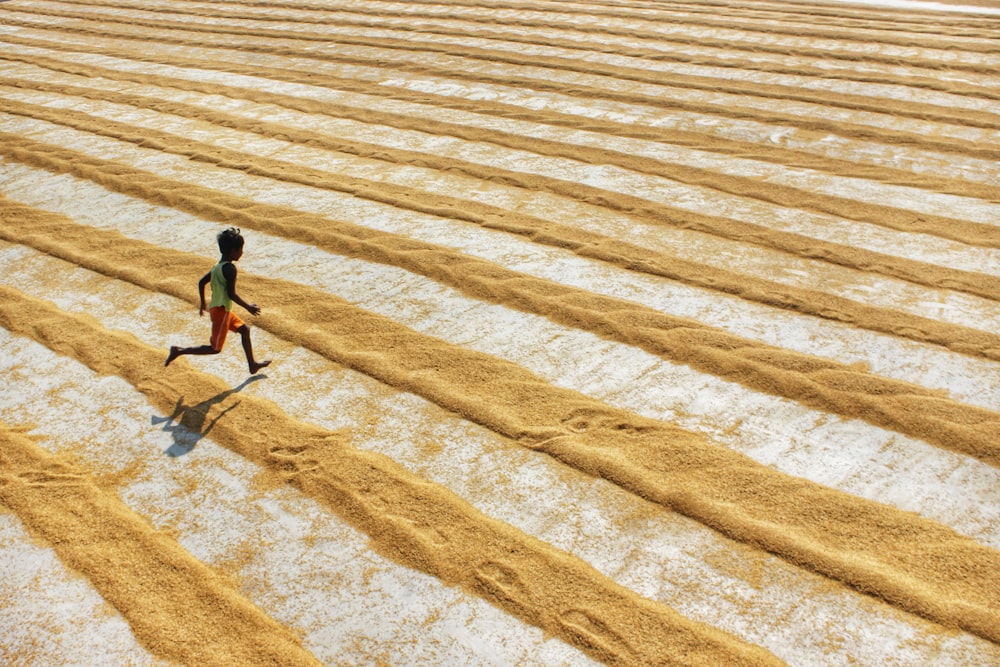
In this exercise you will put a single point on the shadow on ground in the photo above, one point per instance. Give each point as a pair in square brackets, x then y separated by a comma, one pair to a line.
[186, 424]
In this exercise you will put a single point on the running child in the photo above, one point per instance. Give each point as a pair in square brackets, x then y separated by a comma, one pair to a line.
[223, 280]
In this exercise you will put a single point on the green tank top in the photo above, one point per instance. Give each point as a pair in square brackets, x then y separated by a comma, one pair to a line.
[220, 288]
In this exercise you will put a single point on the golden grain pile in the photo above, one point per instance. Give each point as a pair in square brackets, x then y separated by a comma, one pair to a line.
[626, 332]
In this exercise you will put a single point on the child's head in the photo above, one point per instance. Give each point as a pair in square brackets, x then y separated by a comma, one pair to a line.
[230, 242]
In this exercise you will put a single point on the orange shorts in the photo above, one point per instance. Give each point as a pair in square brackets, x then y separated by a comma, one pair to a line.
[223, 321]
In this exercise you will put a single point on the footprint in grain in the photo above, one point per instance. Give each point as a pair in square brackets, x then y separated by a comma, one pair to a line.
[430, 535]
[54, 474]
[594, 632]
[47, 478]
[375, 500]
[292, 460]
[504, 583]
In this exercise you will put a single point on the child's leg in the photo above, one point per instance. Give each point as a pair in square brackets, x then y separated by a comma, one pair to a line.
[220, 325]
[255, 367]
[178, 351]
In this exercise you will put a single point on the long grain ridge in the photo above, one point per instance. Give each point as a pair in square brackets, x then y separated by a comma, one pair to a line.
[814, 381]
[611, 331]
[916, 564]
[408, 519]
[454, 70]
[144, 573]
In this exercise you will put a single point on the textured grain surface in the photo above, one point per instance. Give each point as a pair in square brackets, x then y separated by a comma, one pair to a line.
[624, 332]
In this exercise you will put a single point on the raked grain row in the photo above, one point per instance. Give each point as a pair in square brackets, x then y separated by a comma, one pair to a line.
[631, 332]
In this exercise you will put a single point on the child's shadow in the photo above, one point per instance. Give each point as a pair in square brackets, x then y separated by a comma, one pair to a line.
[187, 423]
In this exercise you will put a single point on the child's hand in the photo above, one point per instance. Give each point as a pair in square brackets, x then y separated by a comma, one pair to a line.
[254, 309]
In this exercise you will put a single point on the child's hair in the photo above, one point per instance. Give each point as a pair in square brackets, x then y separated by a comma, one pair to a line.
[230, 239]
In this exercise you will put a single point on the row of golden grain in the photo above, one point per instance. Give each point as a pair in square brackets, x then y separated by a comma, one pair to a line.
[632, 332]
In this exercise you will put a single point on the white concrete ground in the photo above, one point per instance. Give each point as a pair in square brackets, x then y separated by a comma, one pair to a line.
[313, 572]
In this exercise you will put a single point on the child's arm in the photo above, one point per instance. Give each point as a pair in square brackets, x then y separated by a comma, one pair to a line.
[229, 272]
[201, 290]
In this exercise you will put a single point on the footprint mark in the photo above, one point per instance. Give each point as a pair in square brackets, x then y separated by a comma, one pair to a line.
[50, 478]
[504, 582]
[425, 533]
[292, 460]
[375, 500]
[595, 633]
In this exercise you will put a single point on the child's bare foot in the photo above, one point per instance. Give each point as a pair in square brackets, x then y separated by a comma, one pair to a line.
[174, 353]
[255, 367]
